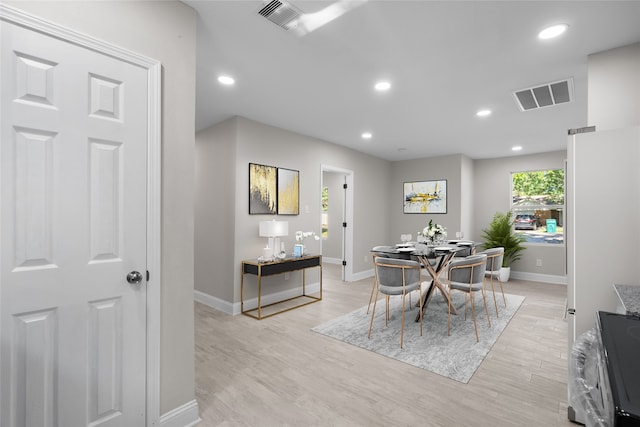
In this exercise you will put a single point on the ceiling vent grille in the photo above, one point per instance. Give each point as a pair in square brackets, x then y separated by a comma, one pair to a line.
[545, 95]
[281, 13]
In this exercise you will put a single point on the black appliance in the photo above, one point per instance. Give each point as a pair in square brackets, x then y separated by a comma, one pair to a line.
[620, 349]
[604, 388]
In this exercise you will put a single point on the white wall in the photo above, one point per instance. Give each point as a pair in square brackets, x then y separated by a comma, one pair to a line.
[476, 190]
[492, 190]
[259, 143]
[436, 168]
[165, 31]
[611, 154]
[467, 198]
[252, 142]
[614, 88]
[215, 212]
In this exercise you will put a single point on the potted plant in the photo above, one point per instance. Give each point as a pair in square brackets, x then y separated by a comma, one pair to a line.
[500, 233]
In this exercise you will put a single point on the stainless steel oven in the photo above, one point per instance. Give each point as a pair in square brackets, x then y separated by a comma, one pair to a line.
[605, 373]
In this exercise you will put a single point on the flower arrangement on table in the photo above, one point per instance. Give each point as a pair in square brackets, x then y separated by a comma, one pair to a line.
[433, 232]
[301, 235]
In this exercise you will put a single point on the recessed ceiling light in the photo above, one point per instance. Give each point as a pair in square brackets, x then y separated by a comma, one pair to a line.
[382, 86]
[226, 80]
[366, 135]
[483, 113]
[552, 31]
[516, 148]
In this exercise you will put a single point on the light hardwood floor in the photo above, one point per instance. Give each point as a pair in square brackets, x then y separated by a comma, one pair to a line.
[277, 372]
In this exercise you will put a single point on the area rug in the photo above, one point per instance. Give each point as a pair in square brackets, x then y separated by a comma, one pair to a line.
[457, 356]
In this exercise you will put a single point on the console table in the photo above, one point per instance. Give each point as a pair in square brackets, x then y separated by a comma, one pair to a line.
[262, 269]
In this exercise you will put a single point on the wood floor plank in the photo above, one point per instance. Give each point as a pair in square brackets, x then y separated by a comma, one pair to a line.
[277, 372]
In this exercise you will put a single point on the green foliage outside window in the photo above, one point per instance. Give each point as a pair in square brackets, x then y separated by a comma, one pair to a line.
[538, 205]
[325, 199]
[325, 208]
[547, 187]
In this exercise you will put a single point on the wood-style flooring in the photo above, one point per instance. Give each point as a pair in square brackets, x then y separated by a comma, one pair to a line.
[277, 372]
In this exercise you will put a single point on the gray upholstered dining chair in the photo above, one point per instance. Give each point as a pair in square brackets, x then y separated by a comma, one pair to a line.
[377, 251]
[467, 275]
[464, 251]
[494, 264]
[396, 277]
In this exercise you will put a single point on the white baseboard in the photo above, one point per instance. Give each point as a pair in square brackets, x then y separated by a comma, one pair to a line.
[213, 302]
[235, 308]
[536, 277]
[186, 415]
[361, 275]
[355, 276]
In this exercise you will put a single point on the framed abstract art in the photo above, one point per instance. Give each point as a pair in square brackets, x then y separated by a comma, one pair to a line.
[288, 192]
[263, 190]
[425, 197]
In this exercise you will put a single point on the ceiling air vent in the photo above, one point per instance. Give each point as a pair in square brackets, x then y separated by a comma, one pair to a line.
[545, 95]
[281, 13]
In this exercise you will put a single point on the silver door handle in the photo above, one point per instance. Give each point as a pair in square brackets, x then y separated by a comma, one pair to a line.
[134, 277]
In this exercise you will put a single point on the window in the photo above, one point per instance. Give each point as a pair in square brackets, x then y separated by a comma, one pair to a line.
[538, 205]
[325, 212]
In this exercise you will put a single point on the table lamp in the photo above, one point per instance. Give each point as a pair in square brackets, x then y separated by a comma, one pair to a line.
[273, 230]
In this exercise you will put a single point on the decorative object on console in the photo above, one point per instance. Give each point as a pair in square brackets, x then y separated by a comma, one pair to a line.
[425, 197]
[273, 230]
[300, 236]
[434, 233]
[263, 195]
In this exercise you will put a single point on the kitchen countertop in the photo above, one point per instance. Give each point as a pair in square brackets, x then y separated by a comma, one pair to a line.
[629, 296]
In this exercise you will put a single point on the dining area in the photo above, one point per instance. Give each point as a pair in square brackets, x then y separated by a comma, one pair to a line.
[435, 267]
[424, 306]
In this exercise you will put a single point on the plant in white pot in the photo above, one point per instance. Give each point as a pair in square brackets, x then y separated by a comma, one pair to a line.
[500, 233]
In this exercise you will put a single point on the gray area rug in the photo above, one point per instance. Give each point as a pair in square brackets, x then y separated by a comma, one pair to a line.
[457, 356]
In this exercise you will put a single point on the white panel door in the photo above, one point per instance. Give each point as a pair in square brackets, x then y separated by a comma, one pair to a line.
[73, 225]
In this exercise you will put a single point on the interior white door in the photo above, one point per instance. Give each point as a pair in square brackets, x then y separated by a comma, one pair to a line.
[72, 227]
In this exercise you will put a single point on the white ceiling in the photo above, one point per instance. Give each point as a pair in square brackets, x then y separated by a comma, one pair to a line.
[445, 60]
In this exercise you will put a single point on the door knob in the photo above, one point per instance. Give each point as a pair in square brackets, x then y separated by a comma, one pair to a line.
[134, 277]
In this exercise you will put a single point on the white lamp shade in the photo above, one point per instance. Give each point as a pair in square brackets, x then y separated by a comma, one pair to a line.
[281, 228]
[274, 228]
[265, 228]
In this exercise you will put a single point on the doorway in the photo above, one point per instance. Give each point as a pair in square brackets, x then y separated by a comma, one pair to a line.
[337, 218]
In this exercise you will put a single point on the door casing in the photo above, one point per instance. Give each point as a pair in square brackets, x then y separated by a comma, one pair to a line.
[348, 217]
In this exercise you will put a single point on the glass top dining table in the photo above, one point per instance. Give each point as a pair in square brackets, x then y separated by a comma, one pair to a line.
[434, 258]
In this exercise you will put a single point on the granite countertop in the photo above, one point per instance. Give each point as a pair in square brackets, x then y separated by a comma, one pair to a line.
[629, 297]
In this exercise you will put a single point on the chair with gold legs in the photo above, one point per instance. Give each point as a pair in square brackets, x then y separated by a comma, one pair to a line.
[467, 275]
[396, 277]
[377, 251]
[494, 264]
[383, 252]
